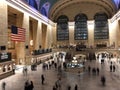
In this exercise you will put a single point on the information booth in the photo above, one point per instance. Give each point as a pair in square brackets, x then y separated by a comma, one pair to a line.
[6, 65]
[76, 66]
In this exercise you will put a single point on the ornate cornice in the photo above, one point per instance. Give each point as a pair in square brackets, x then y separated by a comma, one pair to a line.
[23, 7]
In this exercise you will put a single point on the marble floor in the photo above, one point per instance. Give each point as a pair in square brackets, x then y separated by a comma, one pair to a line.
[85, 81]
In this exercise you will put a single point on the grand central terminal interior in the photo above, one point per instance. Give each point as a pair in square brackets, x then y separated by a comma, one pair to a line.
[59, 44]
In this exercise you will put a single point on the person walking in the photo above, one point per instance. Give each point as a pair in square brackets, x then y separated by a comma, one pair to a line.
[58, 84]
[69, 87]
[31, 85]
[23, 71]
[103, 80]
[26, 70]
[54, 88]
[98, 71]
[113, 68]
[3, 85]
[76, 87]
[27, 87]
[89, 69]
[43, 79]
[94, 71]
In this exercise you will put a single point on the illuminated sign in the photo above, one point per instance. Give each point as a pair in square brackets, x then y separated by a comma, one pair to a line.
[5, 57]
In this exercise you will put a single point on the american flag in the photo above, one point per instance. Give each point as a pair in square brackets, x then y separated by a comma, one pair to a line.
[17, 34]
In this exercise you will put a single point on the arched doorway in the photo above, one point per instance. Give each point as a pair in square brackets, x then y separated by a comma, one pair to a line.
[103, 56]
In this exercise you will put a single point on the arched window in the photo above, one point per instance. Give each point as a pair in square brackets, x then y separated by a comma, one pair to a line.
[101, 26]
[62, 28]
[81, 30]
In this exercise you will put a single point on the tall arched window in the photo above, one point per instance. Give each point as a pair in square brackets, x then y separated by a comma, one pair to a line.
[81, 30]
[101, 26]
[62, 28]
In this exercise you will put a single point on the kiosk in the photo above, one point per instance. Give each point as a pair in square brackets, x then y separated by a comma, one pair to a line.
[76, 66]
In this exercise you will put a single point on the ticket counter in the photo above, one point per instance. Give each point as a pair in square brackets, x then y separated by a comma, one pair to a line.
[6, 69]
[6, 65]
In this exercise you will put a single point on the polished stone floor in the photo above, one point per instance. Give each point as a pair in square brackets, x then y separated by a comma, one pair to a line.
[85, 81]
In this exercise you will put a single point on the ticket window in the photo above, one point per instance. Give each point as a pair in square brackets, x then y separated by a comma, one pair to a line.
[4, 69]
[9, 67]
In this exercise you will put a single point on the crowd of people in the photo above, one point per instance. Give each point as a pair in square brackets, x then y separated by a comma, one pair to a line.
[90, 69]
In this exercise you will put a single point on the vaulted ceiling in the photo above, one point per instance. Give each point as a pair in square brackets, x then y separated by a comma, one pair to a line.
[71, 8]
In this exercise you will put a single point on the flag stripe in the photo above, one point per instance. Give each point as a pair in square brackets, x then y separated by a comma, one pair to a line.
[20, 36]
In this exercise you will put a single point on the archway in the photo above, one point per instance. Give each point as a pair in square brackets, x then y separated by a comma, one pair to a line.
[103, 56]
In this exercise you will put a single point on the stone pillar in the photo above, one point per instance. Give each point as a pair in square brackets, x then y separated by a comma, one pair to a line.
[26, 52]
[44, 35]
[26, 26]
[20, 51]
[49, 37]
[39, 34]
[3, 23]
[20, 46]
[54, 33]
[35, 25]
[113, 33]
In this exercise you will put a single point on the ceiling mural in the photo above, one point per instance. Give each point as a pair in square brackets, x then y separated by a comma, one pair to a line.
[117, 3]
[44, 6]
